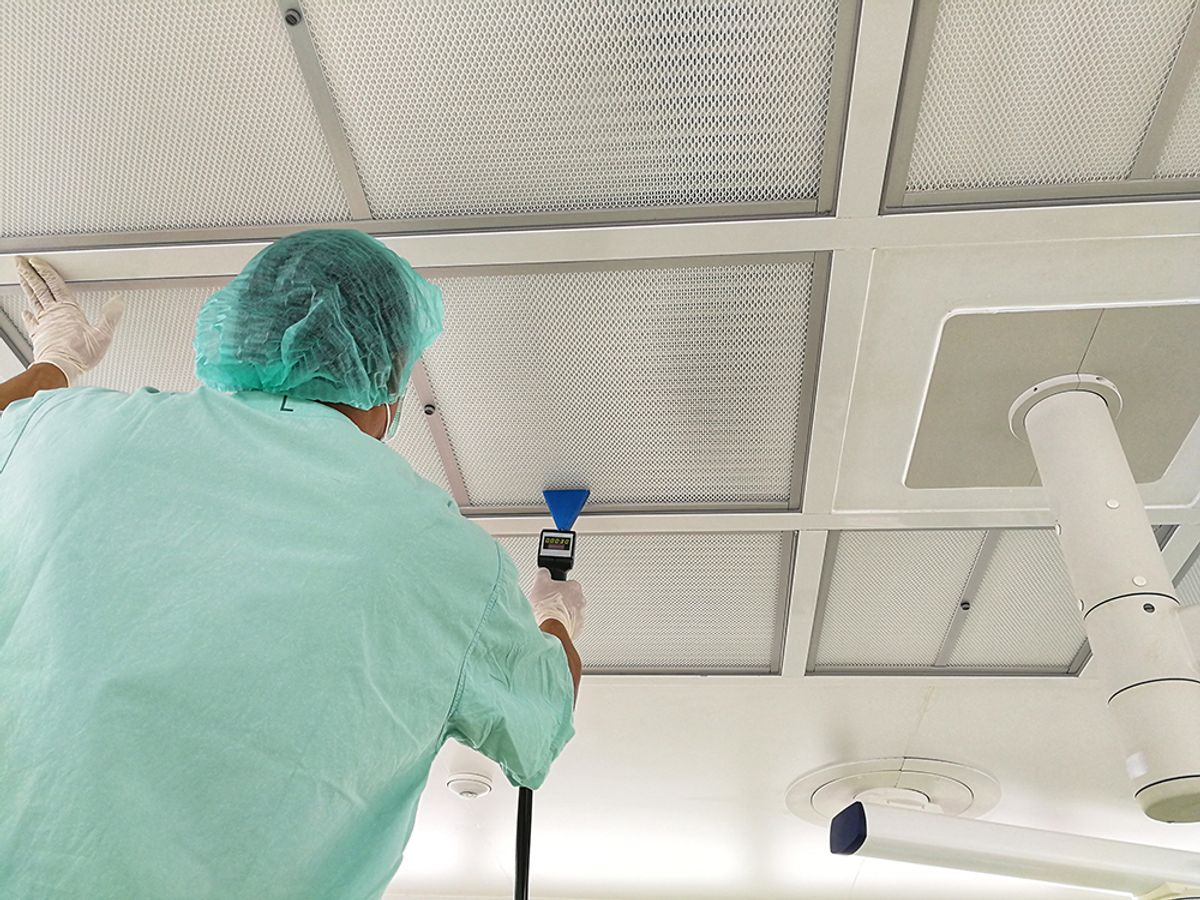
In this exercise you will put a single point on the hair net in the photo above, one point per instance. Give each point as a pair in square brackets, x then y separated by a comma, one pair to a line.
[330, 315]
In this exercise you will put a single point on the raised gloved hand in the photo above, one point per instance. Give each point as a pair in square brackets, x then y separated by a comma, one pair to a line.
[561, 600]
[60, 332]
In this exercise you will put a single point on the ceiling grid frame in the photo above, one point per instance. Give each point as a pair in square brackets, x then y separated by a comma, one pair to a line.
[1139, 184]
[852, 235]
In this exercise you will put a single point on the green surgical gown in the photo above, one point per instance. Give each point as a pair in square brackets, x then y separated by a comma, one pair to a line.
[234, 632]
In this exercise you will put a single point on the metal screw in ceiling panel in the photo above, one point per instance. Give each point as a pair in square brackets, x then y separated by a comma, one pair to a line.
[517, 107]
[672, 383]
[1030, 101]
[719, 600]
[894, 602]
[153, 348]
[125, 116]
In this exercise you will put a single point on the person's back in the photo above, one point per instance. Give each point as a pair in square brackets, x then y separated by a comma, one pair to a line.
[234, 631]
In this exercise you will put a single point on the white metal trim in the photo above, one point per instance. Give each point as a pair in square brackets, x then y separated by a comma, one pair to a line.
[844, 66]
[879, 73]
[908, 106]
[208, 256]
[845, 308]
[808, 574]
[437, 431]
[716, 521]
[1056, 194]
[324, 107]
[813, 345]
[1154, 141]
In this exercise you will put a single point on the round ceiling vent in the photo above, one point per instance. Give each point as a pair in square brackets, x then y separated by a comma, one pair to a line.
[933, 785]
[469, 785]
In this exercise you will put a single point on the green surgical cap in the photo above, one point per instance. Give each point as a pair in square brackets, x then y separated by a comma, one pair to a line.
[330, 315]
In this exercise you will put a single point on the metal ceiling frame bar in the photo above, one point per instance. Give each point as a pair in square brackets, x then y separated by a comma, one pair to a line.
[783, 625]
[818, 299]
[959, 615]
[832, 540]
[206, 254]
[808, 574]
[844, 42]
[640, 521]
[12, 341]
[647, 217]
[1010, 197]
[325, 108]
[437, 431]
[908, 106]
[1183, 69]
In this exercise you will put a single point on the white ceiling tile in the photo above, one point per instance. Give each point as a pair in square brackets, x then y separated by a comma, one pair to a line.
[664, 384]
[122, 116]
[1031, 93]
[1023, 614]
[891, 596]
[677, 603]
[515, 106]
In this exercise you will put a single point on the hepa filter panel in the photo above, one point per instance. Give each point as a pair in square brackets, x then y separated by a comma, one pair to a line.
[120, 117]
[1023, 613]
[889, 597]
[718, 601]
[1028, 100]
[153, 348]
[892, 602]
[663, 384]
[515, 107]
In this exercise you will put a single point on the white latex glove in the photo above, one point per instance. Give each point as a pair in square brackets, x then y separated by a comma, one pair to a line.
[561, 600]
[60, 332]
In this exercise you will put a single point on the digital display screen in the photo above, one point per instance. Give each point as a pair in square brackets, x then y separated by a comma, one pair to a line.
[556, 542]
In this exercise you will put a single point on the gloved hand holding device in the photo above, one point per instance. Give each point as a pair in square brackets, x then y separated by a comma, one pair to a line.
[561, 600]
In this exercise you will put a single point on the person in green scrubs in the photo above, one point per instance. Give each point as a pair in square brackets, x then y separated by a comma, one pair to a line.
[235, 628]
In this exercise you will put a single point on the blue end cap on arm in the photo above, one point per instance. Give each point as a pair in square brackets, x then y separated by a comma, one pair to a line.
[848, 830]
[565, 506]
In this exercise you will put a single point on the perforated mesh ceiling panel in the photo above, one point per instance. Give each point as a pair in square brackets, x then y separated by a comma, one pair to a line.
[892, 601]
[891, 596]
[648, 385]
[519, 106]
[121, 116]
[718, 600]
[1029, 93]
[153, 348]
[1023, 614]
[1181, 155]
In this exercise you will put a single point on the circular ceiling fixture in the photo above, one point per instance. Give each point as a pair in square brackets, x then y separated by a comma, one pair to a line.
[931, 785]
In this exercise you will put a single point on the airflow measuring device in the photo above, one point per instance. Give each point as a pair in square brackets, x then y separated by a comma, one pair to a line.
[556, 546]
[556, 552]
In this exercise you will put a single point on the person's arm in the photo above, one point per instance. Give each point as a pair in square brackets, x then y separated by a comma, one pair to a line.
[38, 377]
[558, 630]
[65, 343]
